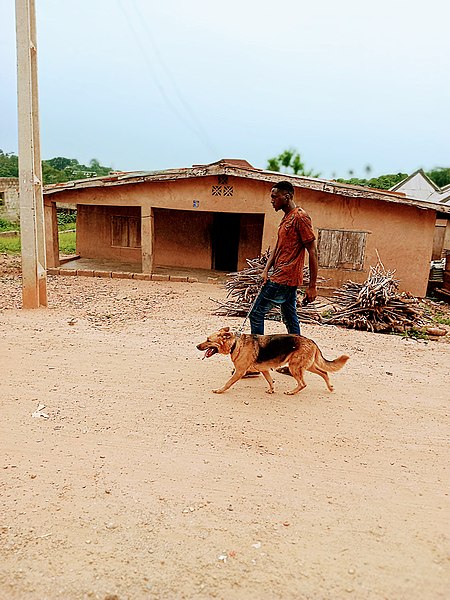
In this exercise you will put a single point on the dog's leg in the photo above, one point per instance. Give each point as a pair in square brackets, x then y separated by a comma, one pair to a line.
[323, 374]
[297, 372]
[236, 376]
[269, 380]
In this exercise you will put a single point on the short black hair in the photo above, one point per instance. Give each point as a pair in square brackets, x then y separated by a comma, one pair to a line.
[285, 186]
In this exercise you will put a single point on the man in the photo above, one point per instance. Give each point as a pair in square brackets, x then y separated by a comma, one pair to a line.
[295, 235]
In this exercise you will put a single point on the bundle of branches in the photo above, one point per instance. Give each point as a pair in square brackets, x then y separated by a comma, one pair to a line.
[243, 287]
[376, 305]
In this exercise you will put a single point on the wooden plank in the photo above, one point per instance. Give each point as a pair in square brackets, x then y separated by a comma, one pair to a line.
[341, 249]
[134, 232]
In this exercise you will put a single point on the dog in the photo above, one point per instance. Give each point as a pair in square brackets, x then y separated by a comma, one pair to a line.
[264, 352]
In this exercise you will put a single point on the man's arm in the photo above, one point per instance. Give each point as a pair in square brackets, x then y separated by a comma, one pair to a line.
[269, 263]
[311, 290]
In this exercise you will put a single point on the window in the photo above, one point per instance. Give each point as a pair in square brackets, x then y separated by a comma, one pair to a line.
[340, 249]
[222, 188]
[2, 198]
[125, 232]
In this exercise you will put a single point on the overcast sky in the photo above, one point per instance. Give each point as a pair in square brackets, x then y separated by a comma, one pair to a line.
[141, 84]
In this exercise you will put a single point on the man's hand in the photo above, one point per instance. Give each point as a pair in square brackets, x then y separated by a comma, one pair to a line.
[265, 275]
[310, 294]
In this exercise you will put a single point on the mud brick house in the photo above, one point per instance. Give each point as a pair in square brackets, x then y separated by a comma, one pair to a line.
[215, 216]
[9, 198]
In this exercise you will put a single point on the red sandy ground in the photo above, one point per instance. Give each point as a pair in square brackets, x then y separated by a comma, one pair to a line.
[143, 484]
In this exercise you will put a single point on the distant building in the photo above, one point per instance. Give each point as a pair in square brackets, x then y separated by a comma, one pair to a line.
[418, 185]
[9, 198]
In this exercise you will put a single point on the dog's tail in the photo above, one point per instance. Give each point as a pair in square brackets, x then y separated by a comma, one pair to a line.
[330, 366]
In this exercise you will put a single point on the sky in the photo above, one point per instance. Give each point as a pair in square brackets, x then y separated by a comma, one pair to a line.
[145, 85]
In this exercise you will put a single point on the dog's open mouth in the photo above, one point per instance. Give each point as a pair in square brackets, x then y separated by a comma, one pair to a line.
[209, 352]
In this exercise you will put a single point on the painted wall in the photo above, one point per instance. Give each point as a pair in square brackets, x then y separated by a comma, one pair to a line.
[94, 233]
[251, 236]
[402, 235]
[183, 238]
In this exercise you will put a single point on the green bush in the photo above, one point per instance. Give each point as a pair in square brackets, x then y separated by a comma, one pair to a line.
[66, 217]
[65, 221]
[8, 225]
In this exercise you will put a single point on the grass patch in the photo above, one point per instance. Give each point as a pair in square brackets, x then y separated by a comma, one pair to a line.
[10, 245]
[67, 243]
[416, 334]
[63, 225]
[442, 320]
[66, 226]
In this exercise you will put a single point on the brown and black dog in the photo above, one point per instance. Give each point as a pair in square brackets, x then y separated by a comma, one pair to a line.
[251, 352]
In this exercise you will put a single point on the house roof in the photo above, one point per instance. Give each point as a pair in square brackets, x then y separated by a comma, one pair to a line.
[419, 172]
[424, 189]
[243, 169]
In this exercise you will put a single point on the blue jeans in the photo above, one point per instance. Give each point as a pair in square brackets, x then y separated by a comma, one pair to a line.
[275, 294]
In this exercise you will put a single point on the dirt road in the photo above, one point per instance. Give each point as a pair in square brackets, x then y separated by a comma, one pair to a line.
[143, 484]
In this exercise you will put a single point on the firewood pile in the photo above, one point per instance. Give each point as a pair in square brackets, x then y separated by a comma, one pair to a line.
[243, 287]
[376, 305]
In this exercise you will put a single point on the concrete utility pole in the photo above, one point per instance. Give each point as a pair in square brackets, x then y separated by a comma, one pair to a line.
[34, 274]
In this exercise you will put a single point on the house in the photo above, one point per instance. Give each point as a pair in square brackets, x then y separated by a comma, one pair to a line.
[9, 198]
[418, 185]
[216, 216]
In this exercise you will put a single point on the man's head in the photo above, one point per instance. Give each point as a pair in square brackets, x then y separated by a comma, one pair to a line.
[282, 195]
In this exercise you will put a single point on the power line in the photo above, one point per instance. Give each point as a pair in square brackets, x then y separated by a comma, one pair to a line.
[194, 124]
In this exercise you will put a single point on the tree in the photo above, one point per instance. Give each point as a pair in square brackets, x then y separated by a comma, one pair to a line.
[60, 163]
[273, 164]
[440, 176]
[291, 160]
[94, 164]
[384, 182]
[9, 165]
[54, 170]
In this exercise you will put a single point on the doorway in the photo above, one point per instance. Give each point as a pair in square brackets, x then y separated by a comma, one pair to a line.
[226, 230]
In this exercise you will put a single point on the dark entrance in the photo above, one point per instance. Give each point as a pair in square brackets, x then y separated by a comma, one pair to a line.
[225, 241]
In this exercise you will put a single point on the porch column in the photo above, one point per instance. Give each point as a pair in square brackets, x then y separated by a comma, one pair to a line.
[51, 234]
[147, 238]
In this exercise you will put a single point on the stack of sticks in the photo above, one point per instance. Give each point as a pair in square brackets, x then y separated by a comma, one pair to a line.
[375, 305]
[243, 287]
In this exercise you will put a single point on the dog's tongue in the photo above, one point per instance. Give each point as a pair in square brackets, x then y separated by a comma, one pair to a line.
[209, 352]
